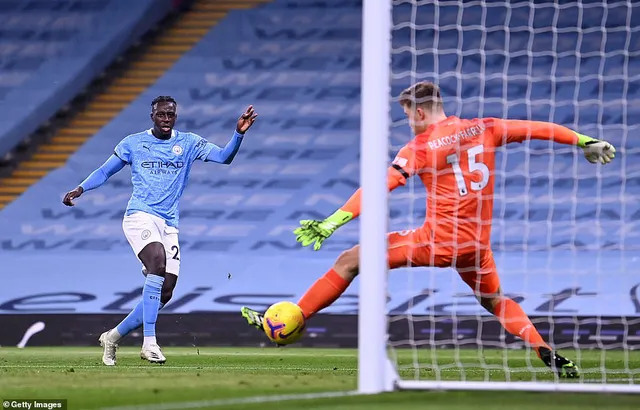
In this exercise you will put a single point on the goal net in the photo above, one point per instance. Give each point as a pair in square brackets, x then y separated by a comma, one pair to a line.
[565, 231]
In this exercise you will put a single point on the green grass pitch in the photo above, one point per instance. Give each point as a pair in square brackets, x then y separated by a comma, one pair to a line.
[216, 378]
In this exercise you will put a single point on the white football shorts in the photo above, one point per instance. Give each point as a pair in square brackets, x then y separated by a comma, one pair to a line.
[142, 228]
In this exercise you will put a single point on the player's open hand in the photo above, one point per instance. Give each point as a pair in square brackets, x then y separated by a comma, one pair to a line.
[308, 233]
[71, 195]
[315, 232]
[599, 151]
[246, 120]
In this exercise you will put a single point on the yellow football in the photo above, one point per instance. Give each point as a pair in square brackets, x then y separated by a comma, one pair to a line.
[284, 323]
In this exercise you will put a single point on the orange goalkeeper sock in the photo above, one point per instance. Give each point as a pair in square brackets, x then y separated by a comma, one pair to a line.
[323, 293]
[516, 322]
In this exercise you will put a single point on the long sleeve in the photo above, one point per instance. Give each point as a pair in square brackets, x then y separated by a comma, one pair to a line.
[98, 177]
[407, 163]
[227, 154]
[507, 131]
[394, 180]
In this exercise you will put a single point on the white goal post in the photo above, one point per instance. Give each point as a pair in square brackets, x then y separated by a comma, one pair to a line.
[374, 371]
[378, 370]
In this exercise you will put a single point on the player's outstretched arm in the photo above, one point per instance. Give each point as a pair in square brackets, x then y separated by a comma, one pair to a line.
[98, 177]
[227, 154]
[518, 130]
[315, 232]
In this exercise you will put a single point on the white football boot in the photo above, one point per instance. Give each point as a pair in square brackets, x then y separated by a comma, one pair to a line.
[152, 353]
[110, 347]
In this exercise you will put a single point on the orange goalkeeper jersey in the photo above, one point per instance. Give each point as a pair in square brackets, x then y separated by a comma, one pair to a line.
[455, 160]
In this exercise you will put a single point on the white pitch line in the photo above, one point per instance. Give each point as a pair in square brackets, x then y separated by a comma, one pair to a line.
[228, 402]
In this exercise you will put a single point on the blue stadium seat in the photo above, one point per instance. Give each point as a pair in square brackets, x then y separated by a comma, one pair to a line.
[50, 51]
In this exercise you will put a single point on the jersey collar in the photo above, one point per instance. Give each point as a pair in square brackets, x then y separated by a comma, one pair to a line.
[439, 123]
[149, 131]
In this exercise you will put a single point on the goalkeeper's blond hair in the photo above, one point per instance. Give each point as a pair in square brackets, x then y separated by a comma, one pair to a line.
[424, 94]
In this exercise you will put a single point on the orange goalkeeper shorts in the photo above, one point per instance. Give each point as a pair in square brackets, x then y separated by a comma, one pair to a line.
[411, 249]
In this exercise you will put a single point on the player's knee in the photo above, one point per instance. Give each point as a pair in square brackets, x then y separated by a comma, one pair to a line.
[154, 258]
[489, 302]
[158, 262]
[347, 264]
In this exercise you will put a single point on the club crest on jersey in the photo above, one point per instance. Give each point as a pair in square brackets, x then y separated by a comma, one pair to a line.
[177, 149]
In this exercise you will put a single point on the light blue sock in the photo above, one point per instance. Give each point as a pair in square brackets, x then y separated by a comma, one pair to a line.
[151, 303]
[132, 321]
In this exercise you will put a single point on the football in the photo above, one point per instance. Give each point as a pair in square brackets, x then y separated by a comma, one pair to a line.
[284, 323]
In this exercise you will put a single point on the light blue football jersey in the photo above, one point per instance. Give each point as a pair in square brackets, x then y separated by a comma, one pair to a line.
[160, 170]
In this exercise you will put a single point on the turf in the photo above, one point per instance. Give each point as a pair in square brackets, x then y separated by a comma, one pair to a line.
[211, 375]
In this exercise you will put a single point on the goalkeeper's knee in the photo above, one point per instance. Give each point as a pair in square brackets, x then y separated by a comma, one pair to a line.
[348, 263]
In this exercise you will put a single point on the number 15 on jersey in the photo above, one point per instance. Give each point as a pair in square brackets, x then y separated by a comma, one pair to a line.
[474, 166]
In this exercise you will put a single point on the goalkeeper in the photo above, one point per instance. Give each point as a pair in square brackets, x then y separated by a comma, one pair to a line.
[454, 158]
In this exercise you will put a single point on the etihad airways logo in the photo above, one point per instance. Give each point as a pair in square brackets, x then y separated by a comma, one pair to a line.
[163, 167]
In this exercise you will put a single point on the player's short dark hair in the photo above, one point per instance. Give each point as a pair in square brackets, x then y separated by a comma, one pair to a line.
[424, 94]
[161, 99]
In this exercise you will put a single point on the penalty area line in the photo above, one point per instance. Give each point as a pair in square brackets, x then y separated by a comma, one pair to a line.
[233, 401]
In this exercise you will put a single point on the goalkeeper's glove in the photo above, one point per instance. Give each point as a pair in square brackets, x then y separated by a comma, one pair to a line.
[595, 150]
[311, 231]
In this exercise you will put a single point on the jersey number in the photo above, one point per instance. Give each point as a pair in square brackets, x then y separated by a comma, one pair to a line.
[472, 152]
[177, 252]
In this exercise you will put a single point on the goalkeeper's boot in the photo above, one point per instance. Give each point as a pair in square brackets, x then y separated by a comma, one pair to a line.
[562, 366]
[254, 318]
[110, 347]
[152, 353]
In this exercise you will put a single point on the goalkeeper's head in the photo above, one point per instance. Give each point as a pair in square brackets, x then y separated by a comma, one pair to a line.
[422, 103]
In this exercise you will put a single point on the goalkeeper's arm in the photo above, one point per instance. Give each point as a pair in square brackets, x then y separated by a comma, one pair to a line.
[506, 131]
[351, 208]
[311, 231]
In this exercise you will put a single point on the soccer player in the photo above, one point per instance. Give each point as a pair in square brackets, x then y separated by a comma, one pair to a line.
[454, 158]
[160, 159]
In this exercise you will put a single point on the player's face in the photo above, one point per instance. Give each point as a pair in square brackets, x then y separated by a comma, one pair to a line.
[417, 119]
[164, 118]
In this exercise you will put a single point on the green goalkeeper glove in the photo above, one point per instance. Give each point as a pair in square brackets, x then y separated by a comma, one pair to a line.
[595, 150]
[311, 231]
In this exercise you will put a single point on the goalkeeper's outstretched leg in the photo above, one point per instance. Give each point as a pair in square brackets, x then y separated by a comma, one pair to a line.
[323, 292]
[407, 249]
[516, 322]
[483, 278]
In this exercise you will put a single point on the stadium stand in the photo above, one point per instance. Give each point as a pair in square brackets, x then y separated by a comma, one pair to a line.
[156, 57]
[52, 50]
[301, 70]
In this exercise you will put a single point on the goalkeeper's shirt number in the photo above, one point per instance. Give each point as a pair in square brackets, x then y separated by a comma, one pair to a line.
[474, 166]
